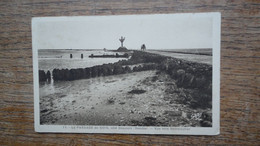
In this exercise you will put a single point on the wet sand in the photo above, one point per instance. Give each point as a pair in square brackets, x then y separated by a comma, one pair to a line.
[133, 99]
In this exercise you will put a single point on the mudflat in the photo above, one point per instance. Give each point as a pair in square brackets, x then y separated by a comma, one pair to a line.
[146, 98]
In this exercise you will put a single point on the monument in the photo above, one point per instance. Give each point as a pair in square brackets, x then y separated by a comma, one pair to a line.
[122, 48]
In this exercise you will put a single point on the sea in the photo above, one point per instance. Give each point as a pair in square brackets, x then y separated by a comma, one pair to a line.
[60, 59]
[194, 55]
[50, 59]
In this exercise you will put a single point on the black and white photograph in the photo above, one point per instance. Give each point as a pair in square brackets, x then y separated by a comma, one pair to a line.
[130, 74]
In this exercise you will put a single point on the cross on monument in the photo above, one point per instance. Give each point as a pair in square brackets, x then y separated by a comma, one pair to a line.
[122, 40]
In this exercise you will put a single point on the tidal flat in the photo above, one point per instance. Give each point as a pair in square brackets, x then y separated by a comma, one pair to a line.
[115, 100]
[154, 91]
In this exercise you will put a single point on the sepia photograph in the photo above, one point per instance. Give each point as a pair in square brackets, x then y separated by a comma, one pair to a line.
[127, 74]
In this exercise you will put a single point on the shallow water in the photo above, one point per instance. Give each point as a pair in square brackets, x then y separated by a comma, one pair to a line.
[60, 59]
[189, 57]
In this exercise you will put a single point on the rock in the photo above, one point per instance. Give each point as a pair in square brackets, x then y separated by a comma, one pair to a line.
[172, 101]
[206, 123]
[184, 115]
[87, 73]
[44, 111]
[149, 118]
[137, 91]
[188, 80]
[110, 100]
[173, 113]
[118, 70]
[207, 116]
[122, 49]
[206, 119]
[180, 73]
[42, 76]
[150, 121]
[122, 103]
[200, 82]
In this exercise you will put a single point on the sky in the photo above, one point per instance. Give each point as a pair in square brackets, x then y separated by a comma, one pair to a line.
[160, 31]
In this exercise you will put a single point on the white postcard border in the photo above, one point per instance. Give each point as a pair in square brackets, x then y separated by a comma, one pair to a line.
[214, 130]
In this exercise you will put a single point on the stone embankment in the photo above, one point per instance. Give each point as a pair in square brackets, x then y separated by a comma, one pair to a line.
[188, 74]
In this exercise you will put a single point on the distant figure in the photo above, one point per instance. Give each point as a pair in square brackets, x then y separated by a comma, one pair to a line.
[81, 56]
[143, 48]
[70, 55]
[105, 49]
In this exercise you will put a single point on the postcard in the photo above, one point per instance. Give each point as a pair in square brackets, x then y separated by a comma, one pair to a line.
[127, 74]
